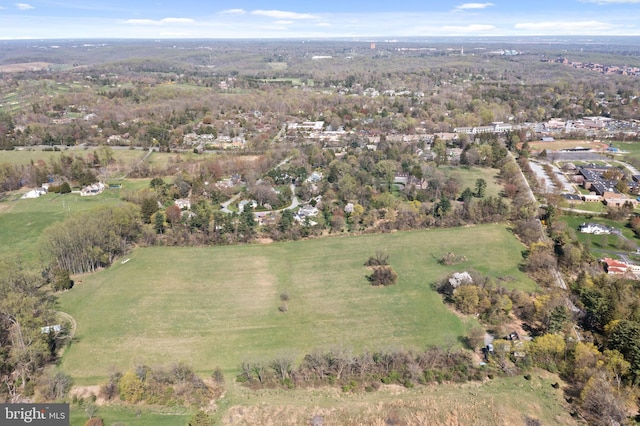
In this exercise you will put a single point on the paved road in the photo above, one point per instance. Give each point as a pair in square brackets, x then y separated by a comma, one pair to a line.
[295, 202]
[226, 204]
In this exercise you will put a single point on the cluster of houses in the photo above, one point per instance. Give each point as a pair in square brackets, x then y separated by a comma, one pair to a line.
[209, 140]
[601, 68]
[315, 130]
[93, 189]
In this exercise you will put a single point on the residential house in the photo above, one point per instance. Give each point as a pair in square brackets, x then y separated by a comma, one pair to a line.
[614, 267]
[93, 189]
[183, 203]
[594, 228]
[34, 193]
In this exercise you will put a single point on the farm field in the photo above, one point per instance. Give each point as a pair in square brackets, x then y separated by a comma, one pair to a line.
[218, 306]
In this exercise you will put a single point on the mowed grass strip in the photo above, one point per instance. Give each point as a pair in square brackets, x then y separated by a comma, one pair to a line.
[218, 306]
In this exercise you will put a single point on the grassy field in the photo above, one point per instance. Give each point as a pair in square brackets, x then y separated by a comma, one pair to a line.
[469, 176]
[631, 149]
[25, 156]
[218, 306]
[131, 416]
[503, 401]
[565, 144]
[22, 221]
[601, 243]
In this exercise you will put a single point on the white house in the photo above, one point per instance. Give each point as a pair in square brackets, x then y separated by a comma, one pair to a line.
[93, 189]
[594, 228]
[35, 193]
[183, 203]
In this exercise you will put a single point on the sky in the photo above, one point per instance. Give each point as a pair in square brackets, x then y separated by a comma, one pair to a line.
[153, 19]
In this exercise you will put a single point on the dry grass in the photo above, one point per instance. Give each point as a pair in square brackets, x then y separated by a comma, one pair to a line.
[24, 66]
[565, 144]
[505, 401]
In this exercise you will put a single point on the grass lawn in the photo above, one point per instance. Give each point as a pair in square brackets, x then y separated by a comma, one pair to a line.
[469, 176]
[631, 149]
[600, 242]
[595, 207]
[25, 156]
[218, 306]
[22, 221]
[131, 415]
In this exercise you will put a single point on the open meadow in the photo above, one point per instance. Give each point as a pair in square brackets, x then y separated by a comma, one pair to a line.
[219, 306]
[23, 220]
[502, 401]
[561, 144]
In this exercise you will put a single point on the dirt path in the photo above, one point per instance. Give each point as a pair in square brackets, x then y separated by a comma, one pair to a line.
[74, 325]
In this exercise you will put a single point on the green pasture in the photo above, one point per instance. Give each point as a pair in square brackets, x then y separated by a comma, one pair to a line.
[22, 221]
[592, 207]
[631, 149]
[25, 156]
[469, 176]
[218, 306]
[161, 160]
[131, 415]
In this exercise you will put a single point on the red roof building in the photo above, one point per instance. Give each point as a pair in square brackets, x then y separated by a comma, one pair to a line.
[614, 267]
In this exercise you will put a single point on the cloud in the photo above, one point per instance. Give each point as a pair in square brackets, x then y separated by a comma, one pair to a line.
[323, 24]
[160, 22]
[283, 14]
[24, 6]
[560, 26]
[233, 12]
[468, 6]
[283, 22]
[469, 28]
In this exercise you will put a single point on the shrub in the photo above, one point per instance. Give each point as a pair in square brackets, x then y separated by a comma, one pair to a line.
[383, 276]
[380, 259]
[131, 387]
[55, 385]
[218, 375]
